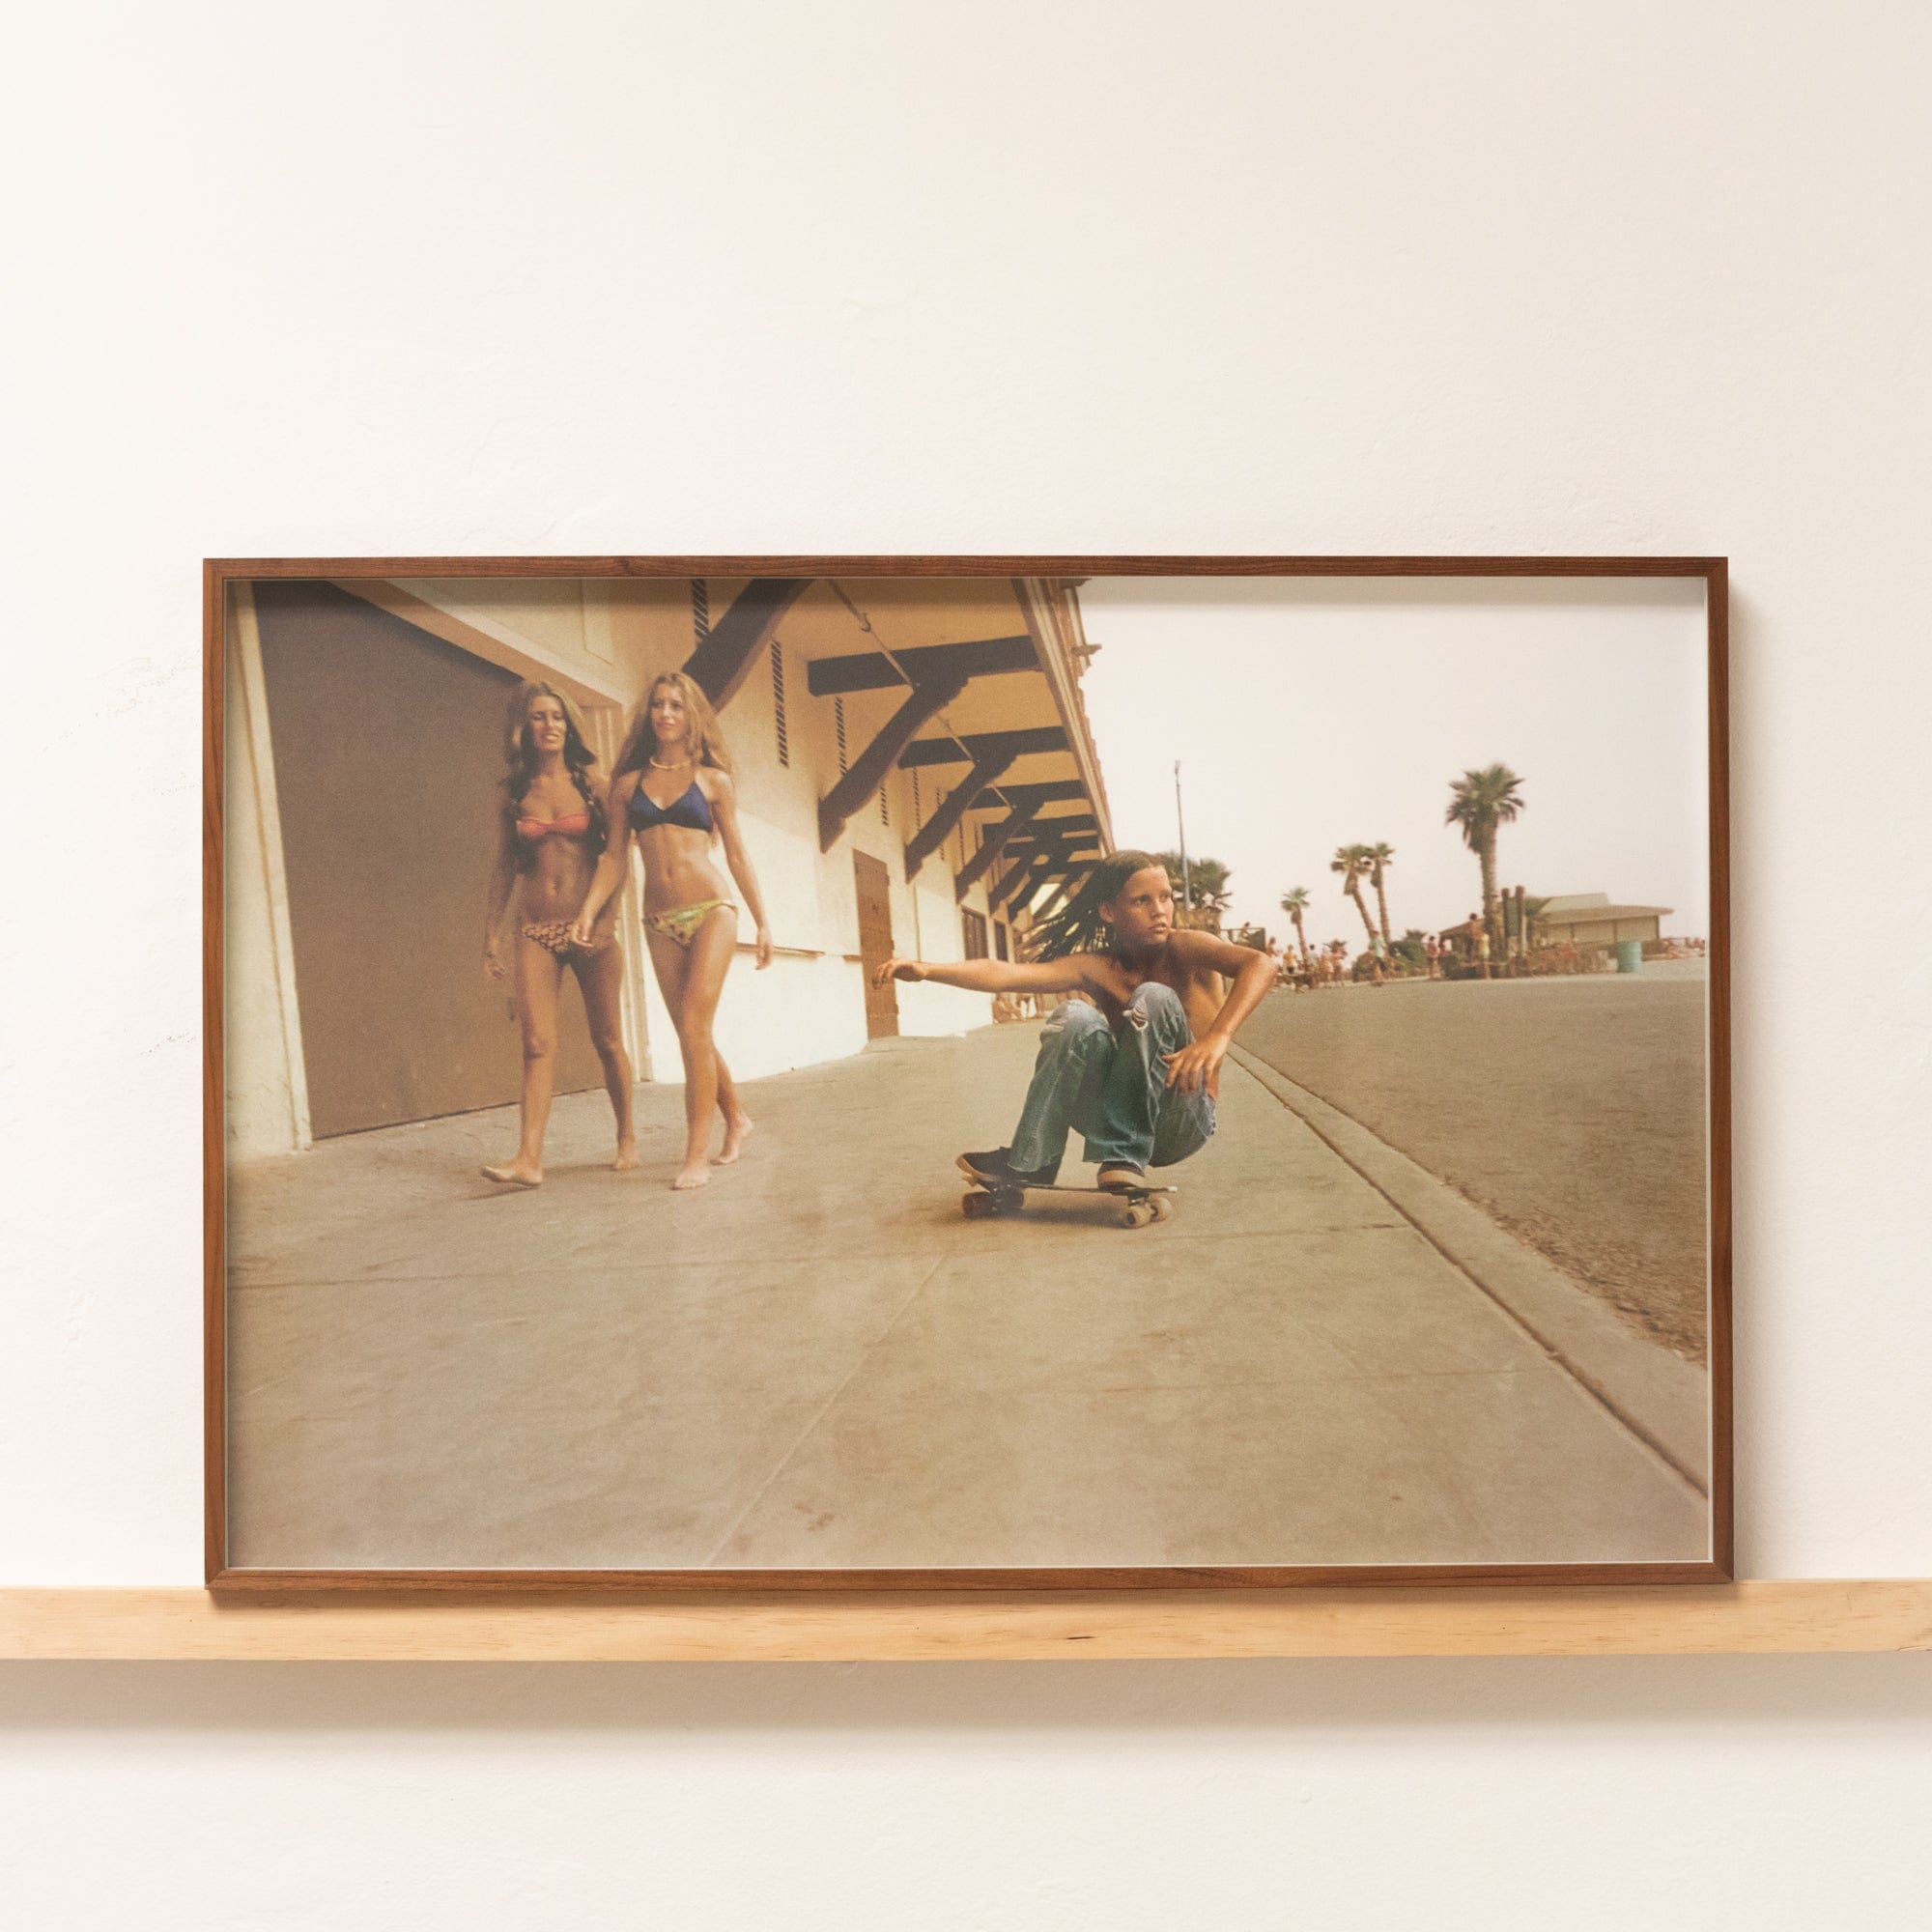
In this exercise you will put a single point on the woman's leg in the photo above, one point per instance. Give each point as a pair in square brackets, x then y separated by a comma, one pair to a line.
[670, 964]
[692, 981]
[599, 978]
[538, 974]
[737, 1123]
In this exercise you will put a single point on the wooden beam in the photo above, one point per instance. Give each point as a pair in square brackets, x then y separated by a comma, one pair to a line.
[1029, 883]
[997, 892]
[873, 670]
[954, 806]
[868, 770]
[1047, 830]
[1075, 878]
[1010, 797]
[1075, 844]
[722, 663]
[975, 867]
[984, 744]
[1039, 858]
[1029, 866]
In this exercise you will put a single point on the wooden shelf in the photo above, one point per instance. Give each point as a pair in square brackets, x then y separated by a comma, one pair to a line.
[1811, 1615]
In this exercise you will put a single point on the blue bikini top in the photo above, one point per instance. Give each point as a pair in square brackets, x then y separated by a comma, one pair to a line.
[691, 810]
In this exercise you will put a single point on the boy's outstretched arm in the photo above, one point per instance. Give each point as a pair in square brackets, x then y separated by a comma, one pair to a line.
[1199, 1065]
[993, 976]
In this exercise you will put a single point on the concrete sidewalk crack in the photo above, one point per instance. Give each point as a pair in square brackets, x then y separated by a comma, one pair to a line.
[819, 1414]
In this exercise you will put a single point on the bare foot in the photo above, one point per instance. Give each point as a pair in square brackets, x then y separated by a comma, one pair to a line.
[518, 1173]
[626, 1157]
[697, 1175]
[736, 1133]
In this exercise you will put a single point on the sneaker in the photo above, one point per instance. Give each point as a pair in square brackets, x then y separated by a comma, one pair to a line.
[1121, 1176]
[996, 1170]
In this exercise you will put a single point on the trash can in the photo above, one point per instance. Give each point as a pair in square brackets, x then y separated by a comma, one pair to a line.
[1629, 954]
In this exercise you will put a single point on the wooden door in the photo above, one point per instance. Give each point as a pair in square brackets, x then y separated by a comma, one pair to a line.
[875, 944]
[389, 747]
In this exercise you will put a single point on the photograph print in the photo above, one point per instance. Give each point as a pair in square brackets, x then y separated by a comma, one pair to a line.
[1039, 1072]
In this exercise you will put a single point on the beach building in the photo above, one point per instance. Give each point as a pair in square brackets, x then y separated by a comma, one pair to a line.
[1590, 919]
[914, 769]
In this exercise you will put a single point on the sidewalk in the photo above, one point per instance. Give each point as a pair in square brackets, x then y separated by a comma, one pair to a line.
[819, 1362]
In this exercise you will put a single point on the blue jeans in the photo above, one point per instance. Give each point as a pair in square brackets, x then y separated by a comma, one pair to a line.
[1112, 1087]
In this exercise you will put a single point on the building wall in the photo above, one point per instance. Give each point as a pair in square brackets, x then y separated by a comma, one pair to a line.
[807, 1006]
[1598, 932]
[264, 1113]
[1413, 278]
[389, 769]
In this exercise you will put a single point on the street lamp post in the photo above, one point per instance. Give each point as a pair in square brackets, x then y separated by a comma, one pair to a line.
[1180, 829]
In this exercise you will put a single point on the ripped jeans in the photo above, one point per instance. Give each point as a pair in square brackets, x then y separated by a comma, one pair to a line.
[1112, 1087]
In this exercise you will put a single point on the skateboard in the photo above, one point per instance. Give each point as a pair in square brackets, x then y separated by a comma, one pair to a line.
[1136, 1206]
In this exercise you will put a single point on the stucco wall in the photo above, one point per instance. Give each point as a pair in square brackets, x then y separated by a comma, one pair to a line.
[1492, 278]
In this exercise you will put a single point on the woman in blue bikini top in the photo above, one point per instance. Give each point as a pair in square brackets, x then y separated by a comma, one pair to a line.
[691, 927]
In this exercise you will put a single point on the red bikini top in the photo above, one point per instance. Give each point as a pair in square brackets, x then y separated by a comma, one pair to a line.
[574, 826]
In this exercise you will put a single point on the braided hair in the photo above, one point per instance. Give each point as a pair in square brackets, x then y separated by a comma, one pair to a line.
[1078, 926]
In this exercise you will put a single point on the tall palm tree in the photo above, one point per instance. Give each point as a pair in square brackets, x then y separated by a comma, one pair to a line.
[1479, 803]
[1380, 858]
[1294, 904]
[1352, 862]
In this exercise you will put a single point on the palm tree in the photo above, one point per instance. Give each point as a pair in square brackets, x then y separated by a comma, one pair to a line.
[1479, 801]
[1380, 858]
[1352, 862]
[1208, 887]
[1294, 904]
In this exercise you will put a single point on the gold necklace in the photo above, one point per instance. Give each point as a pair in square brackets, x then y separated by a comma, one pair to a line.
[675, 765]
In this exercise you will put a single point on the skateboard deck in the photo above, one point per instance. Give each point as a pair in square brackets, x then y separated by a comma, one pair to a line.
[1135, 1207]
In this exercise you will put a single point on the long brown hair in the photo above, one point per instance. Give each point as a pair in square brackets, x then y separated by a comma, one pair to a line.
[520, 757]
[701, 730]
[1080, 929]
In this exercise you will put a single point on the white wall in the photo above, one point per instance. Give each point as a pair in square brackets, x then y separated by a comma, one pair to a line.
[1235, 276]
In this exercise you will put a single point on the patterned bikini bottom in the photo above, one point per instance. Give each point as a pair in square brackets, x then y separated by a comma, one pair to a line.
[553, 936]
[682, 922]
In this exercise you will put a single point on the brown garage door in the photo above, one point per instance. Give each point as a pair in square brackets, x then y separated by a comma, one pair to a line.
[388, 754]
[875, 944]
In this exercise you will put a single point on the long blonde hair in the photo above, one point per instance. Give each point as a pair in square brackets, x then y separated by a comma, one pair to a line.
[702, 736]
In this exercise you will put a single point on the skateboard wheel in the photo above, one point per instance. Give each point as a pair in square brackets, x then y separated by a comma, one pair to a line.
[1162, 1207]
[1137, 1216]
[977, 1207]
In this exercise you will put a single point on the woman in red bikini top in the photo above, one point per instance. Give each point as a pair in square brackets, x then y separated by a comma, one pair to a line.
[671, 792]
[551, 835]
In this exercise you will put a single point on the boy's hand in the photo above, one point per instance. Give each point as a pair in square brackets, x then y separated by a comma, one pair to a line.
[1197, 1068]
[900, 969]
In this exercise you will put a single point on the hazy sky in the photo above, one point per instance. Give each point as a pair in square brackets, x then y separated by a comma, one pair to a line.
[1312, 714]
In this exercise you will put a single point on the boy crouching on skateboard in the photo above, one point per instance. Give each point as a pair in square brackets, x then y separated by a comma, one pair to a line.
[1133, 1056]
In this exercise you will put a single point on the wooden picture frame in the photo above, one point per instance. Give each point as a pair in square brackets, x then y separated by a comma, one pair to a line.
[223, 1574]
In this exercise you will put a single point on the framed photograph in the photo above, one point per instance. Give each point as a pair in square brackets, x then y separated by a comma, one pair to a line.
[750, 1073]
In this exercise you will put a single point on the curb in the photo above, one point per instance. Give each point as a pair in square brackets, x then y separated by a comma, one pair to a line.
[1661, 1399]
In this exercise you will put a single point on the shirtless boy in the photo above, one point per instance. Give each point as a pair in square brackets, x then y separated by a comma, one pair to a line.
[1133, 1059]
